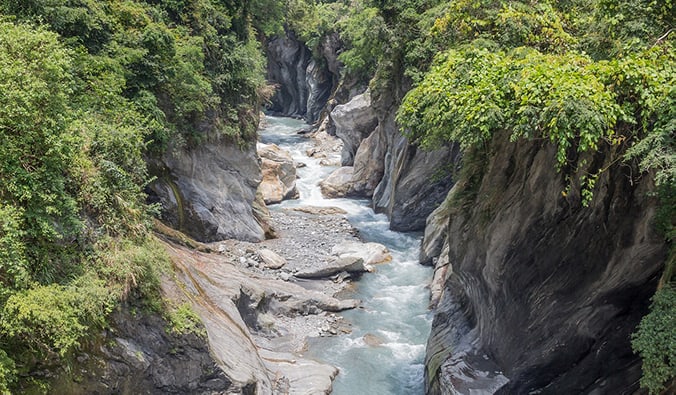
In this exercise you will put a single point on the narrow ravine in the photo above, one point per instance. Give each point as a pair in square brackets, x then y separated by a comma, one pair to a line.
[384, 352]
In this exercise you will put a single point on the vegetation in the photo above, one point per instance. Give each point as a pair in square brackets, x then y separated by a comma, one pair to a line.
[89, 90]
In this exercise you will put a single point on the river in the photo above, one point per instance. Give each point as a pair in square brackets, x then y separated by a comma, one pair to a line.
[394, 314]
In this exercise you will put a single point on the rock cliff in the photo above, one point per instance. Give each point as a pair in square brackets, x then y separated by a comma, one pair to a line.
[304, 84]
[209, 192]
[539, 294]
[404, 182]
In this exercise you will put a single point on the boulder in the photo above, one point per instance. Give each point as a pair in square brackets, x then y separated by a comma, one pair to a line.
[353, 121]
[338, 184]
[271, 259]
[370, 253]
[279, 174]
[334, 266]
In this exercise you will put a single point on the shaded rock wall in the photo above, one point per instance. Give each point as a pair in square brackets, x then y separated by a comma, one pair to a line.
[539, 289]
[138, 355]
[304, 84]
[404, 182]
[208, 191]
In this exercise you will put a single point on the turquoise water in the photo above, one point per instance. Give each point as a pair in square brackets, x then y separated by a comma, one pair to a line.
[393, 314]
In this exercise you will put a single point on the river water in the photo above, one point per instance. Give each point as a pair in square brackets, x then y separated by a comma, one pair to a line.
[393, 314]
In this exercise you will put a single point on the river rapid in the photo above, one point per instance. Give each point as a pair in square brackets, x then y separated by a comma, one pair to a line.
[385, 351]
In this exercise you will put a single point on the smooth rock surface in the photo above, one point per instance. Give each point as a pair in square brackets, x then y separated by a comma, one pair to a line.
[271, 259]
[303, 84]
[208, 191]
[354, 121]
[334, 266]
[371, 253]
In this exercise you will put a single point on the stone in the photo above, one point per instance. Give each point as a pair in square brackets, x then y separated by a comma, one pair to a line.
[372, 340]
[334, 266]
[279, 174]
[436, 230]
[370, 253]
[338, 184]
[354, 121]
[271, 259]
[369, 164]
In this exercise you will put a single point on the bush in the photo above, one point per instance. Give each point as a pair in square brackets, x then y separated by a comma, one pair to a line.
[655, 340]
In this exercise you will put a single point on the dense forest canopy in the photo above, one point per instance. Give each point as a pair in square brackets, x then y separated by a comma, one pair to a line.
[91, 90]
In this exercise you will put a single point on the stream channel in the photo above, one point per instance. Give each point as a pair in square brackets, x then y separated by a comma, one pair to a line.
[394, 311]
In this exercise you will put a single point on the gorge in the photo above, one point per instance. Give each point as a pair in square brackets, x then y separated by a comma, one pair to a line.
[441, 198]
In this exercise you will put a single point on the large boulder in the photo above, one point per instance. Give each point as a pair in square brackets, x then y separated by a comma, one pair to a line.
[354, 121]
[279, 174]
[370, 253]
[338, 184]
[334, 266]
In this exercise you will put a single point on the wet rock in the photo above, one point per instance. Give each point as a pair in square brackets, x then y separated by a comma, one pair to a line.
[354, 121]
[271, 259]
[370, 253]
[334, 266]
[372, 340]
[279, 174]
[338, 184]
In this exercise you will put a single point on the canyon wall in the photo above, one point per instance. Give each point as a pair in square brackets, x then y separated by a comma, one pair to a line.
[534, 290]
[303, 83]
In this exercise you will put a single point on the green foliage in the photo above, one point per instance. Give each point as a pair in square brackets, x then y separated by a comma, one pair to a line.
[84, 100]
[54, 318]
[655, 341]
[14, 269]
[366, 32]
[7, 373]
[184, 320]
[471, 93]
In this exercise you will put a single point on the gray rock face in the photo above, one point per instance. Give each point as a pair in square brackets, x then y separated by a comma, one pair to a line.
[237, 307]
[354, 121]
[414, 181]
[139, 356]
[208, 191]
[541, 289]
[279, 174]
[304, 85]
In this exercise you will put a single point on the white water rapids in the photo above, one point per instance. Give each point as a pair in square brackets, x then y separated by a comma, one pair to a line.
[394, 299]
